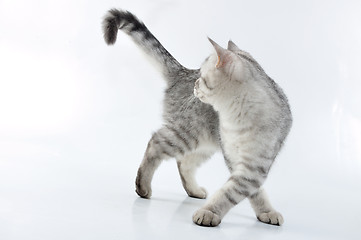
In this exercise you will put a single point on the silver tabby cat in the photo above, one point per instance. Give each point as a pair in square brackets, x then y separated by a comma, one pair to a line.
[230, 104]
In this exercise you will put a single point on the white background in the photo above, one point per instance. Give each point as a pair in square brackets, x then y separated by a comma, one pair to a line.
[76, 115]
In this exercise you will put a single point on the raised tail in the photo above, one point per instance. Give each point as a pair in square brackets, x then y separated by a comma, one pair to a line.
[118, 19]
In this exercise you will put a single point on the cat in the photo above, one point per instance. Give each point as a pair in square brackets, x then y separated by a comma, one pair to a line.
[230, 105]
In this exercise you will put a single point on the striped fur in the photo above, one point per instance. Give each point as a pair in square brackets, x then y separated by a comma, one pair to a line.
[230, 105]
[255, 119]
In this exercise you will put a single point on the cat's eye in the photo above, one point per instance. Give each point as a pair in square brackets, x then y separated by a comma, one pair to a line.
[206, 84]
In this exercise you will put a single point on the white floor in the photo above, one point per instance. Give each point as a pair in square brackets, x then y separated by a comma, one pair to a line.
[76, 115]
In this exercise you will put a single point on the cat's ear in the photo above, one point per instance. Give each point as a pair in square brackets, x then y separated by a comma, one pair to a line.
[224, 56]
[233, 47]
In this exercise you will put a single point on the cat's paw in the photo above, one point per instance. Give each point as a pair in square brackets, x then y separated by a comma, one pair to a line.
[206, 218]
[199, 193]
[142, 189]
[273, 217]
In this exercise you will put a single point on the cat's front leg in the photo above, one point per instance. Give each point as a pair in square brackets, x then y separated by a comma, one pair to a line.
[233, 191]
[263, 208]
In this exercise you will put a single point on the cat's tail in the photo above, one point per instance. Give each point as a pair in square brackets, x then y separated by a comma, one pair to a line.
[118, 19]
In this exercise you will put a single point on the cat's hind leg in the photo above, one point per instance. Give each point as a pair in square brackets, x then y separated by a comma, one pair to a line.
[151, 160]
[164, 144]
[187, 166]
[263, 208]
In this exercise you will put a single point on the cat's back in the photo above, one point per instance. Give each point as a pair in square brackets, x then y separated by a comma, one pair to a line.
[265, 99]
[281, 100]
[276, 109]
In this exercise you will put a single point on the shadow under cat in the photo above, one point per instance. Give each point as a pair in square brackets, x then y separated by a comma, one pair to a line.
[164, 218]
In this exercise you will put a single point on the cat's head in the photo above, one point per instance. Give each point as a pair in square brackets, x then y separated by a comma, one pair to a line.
[222, 74]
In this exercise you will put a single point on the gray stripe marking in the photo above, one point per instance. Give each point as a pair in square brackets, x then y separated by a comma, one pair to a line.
[230, 199]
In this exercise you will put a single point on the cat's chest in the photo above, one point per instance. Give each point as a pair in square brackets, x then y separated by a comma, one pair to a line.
[232, 139]
[235, 132]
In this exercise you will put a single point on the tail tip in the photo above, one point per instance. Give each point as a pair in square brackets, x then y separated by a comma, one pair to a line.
[110, 28]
